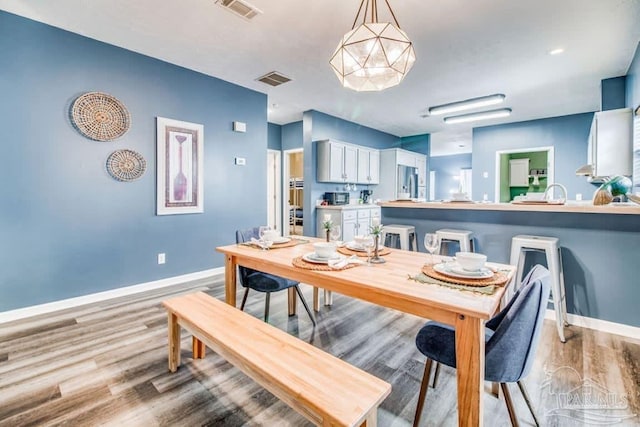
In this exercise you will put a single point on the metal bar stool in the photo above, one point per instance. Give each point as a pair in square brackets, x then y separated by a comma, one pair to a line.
[406, 234]
[462, 237]
[520, 245]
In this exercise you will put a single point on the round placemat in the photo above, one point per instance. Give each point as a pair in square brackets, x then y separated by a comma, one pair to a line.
[292, 242]
[497, 279]
[100, 116]
[346, 251]
[126, 165]
[300, 263]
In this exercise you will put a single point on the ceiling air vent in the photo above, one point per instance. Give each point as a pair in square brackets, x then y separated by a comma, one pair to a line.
[240, 8]
[273, 79]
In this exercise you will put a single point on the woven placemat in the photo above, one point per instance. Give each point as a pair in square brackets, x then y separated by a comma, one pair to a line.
[423, 278]
[100, 116]
[498, 278]
[290, 243]
[300, 263]
[346, 251]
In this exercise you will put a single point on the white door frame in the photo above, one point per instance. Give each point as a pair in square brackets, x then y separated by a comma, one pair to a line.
[550, 166]
[274, 189]
[286, 176]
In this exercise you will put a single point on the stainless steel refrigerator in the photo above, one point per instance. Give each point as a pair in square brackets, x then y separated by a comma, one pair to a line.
[407, 181]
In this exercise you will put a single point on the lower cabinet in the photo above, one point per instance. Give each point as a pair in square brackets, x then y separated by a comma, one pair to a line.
[353, 221]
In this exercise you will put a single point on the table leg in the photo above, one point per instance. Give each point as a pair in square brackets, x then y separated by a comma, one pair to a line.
[230, 280]
[198, 348]
[316, 299]
[372, 419]
[470, 369]
[293, 299]
[328, 297]
[174, 342]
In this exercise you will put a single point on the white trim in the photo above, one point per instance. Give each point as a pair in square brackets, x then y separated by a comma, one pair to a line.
[35, 310]
[598, 325]
[277, 190]
[550, 166]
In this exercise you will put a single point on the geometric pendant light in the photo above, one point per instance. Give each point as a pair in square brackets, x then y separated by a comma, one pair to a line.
[374, 55]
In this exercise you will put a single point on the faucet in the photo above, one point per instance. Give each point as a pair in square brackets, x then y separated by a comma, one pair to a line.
[550, 191]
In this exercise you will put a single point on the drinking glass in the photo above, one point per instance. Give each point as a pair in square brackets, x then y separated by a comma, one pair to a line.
[335, 233]
[431, 243]
[368, 243]
[261, 231]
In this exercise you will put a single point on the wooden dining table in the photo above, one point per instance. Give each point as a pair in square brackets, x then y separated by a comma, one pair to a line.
[389, 285]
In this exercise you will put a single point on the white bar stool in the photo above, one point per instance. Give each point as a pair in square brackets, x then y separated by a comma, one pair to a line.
[463, 237]
[549, 245]
[405, 233]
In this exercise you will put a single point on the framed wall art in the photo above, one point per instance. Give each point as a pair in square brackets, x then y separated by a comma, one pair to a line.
[180, 148]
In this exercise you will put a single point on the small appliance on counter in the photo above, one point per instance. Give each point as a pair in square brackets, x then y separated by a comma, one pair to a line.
[366, 196]
[337, 198]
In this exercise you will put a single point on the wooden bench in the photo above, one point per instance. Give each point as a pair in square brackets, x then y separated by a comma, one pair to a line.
[324, 389]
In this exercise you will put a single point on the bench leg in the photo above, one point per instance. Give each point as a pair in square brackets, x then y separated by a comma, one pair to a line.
[198, 348]
[372, 419]
[174, 342]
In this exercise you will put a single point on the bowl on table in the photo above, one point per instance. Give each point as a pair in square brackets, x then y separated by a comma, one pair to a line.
[404, 196]
[459, 196]
[325, 250]
[271, 235]
[471, 261]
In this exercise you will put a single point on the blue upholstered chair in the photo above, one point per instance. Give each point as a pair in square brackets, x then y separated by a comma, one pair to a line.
[264, 282]
[511, 340]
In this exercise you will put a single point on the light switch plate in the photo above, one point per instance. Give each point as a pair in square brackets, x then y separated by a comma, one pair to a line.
[241, 161]
[239, 126]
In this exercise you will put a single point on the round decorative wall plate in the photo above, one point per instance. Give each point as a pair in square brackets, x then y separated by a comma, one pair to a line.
[100, 116]
[126, 165]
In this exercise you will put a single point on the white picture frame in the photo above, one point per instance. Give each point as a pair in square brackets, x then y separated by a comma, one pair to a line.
[179, 175]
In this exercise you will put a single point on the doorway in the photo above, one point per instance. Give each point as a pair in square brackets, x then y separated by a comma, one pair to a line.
[524, 171]
[294, 182]
[274, 194]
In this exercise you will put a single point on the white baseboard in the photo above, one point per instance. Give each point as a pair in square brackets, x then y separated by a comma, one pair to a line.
[35, 310]
[598, 325]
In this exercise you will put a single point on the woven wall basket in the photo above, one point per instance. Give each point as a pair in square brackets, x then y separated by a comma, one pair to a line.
[100, 116]
[126, 165]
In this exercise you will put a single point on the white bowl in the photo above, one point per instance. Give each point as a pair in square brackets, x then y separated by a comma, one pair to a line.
[360, 240]
[325, 249]
[271, 235]
[471, 261]
[404, 196]
[459, 196]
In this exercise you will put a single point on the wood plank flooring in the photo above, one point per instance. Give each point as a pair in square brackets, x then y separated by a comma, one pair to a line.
[106, 364]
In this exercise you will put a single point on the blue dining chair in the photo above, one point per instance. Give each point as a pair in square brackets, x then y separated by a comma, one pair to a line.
[264, 282]
[511, 336]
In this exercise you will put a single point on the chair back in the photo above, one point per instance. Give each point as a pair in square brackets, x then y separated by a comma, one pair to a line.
[245, 236]
[511, 349]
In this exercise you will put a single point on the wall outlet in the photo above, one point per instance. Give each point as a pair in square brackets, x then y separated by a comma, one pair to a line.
[162, 258]
[241, 161]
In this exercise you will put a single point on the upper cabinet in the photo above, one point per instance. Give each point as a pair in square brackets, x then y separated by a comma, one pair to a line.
[368, 166]
[343, 162]
[421, 164]
[519, 172]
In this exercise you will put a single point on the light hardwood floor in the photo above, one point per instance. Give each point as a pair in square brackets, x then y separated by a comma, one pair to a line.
[106, 364]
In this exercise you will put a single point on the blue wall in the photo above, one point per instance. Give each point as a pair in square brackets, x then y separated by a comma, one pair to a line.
[292, 136]
[67, 227]
[274, 137]
[613, 93]
[633, 81]
[567, 134]
[318, 126]
[446, 168]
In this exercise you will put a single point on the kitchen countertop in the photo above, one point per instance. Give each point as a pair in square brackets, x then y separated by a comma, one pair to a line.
[569, 207]
[346, 207]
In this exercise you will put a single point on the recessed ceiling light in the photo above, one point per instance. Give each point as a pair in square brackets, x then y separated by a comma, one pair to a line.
[467, 104]
[485, 115]
[556, 51]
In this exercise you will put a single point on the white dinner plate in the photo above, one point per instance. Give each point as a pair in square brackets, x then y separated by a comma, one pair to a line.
[282, 240]
[313, 257]
[453, 269]
[358, 248]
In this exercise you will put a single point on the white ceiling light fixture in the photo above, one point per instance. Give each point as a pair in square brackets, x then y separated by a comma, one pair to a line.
[374, 55]
[556, 51]
[467, 104]
[484, 115]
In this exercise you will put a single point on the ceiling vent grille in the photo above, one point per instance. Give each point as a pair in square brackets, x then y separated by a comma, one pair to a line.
[273, 79]
[240, 7]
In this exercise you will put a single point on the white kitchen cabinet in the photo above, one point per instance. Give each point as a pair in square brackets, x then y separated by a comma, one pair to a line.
[421, 164]
[390, 159]
[519, 173]
[352, 219]
[368, 166]
[337, 162]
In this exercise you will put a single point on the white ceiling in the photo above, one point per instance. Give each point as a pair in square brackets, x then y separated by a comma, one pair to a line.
[464, 49]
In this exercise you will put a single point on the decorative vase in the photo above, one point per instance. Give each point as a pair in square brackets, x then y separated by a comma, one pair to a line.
[328, 232]
[377, 259]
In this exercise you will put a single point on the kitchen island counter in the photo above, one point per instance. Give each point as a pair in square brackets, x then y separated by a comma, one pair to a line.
[570, 207]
